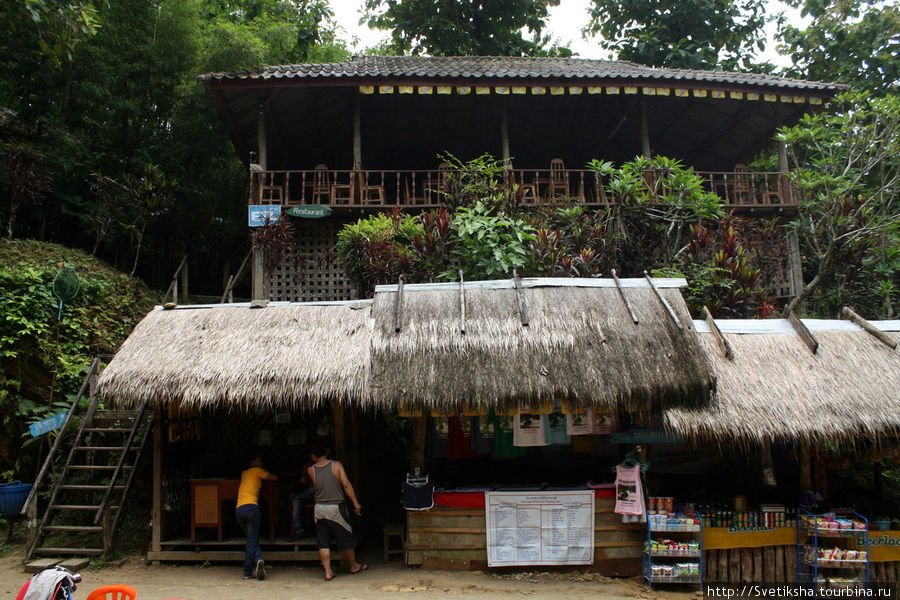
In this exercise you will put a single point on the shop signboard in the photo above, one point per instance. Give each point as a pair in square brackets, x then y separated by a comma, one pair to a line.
[644, 436]
[540, 528]
[258, 214]
[309, 211]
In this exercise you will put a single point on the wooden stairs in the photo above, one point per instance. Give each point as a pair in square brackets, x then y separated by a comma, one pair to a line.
[91, 482]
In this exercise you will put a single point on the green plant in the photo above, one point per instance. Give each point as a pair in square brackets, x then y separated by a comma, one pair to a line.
[488, 245]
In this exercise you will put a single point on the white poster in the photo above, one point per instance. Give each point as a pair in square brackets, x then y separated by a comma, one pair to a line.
[540, 528]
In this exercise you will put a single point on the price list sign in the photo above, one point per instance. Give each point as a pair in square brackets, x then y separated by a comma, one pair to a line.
[540, 528]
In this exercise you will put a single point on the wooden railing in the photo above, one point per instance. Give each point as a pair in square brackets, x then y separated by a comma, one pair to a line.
[429, 189]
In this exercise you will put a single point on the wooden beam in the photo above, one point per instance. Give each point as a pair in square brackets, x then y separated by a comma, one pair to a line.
[357, 132]
[398, 306]
[261, 145]
[663, 300]
[339, 439]
[645, 131]
[622, 294]
[257, 278]
[520, 298]
[805, 471]
[720, 339]
[803, 331]
[504, 130]
[418, 446]
[870, 329]
[156, 510]
[462, 303]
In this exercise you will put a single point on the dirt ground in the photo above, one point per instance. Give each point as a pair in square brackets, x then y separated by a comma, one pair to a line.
[381, 582]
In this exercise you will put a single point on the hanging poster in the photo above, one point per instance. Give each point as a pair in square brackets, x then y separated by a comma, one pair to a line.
[580, 423]
[540, 528]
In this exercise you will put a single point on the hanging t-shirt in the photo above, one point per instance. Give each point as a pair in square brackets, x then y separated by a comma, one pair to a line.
[440, 431]
[459, 440]
[529, 430]
[580, 423]
[629, 494]
[482, 434]
[504, 432]
[555, 424]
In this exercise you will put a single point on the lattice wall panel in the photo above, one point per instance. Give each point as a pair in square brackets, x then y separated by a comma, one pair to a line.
[314, 273]
[777, 253]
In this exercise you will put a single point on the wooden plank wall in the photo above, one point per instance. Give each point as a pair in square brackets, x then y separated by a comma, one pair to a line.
[773, 564]
[458, 535]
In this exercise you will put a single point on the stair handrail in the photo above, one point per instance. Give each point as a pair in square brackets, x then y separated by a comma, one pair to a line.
[32, 494]
[236, 278]
[115, 476]
[173, 287]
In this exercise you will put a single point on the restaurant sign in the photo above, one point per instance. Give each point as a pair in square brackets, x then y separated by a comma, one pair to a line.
[309, 211]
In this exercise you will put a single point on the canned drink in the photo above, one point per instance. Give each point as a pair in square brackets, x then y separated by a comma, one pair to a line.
[670, 504]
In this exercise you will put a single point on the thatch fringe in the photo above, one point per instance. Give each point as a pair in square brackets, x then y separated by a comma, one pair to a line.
[234, 357]
[580, 345]
[776, 389]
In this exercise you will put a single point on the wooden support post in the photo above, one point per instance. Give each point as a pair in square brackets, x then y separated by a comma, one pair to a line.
[805, 472]
[504, 131]
[184, 280]
[352, 442]
[258, 275]
[156, 510]
[622, 295]
[803, 331]
[645, 131]
[720, 339]
[418, 446]
[339, 439]
[795, 263]
[261, 143]
[357, 131]
[870, 329]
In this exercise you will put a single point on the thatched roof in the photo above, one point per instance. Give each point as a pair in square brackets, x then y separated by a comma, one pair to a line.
[232, 356]
[580, 345]
[777, 389]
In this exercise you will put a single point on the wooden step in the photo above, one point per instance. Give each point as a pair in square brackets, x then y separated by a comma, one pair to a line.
[89, 487]
[74, 507]
[73, 528]
[104, 448]
[96, 467]
[70, 551]
[108, 429]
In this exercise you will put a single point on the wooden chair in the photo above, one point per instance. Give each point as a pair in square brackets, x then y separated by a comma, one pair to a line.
[529, 192]
[369, 193]
[320, 187]
[409, 197]
[269, 192]
[559, 179]
[344, 192]
[741, 192]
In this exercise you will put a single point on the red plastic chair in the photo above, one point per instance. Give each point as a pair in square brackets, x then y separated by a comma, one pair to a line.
[113, 592]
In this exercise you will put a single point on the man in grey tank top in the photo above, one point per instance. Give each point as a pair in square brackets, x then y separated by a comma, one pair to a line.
[331, 485]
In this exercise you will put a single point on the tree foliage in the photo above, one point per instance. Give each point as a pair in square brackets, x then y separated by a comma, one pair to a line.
[853, 41]
[464, 27]
[42, 359]
[691, 35]
[846, 166]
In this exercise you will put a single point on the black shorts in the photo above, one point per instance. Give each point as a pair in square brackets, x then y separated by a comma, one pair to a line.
[329, 531]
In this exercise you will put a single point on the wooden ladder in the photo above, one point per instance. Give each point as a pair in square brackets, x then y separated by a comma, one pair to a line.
[91, 482]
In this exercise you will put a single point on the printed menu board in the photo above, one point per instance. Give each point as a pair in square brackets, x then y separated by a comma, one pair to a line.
[540, 528]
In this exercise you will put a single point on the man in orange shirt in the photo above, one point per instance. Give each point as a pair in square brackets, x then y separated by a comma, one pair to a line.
[248, 515]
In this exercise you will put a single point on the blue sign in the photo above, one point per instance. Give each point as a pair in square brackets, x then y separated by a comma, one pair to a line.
[258, 213]
[47, 425]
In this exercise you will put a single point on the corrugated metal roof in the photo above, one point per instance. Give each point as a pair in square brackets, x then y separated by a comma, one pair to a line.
[508, 68]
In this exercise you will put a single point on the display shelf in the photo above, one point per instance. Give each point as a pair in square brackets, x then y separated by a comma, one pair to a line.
[848, 533]
[671, 560]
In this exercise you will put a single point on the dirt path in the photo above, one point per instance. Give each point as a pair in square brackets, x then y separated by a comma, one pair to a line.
[381, 582]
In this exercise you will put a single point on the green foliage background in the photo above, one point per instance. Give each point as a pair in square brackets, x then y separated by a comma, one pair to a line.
[43, 360]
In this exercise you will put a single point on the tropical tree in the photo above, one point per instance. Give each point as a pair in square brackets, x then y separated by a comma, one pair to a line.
[673, 33]
[464, 27]
[846, 166]
[852, 41]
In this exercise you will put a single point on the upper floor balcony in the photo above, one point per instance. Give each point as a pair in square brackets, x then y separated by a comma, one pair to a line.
[741, 190]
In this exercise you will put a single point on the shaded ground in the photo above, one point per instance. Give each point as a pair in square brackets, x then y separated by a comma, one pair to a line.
[381, 581]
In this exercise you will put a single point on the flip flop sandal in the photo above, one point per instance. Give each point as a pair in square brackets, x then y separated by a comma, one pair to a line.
[330, 577]
[362, 567]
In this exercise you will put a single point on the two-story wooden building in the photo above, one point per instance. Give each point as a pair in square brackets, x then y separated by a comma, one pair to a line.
[366, 134]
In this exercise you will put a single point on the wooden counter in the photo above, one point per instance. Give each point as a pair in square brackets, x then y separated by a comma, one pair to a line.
[207, 496]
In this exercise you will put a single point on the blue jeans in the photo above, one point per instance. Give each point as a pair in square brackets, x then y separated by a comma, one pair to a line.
[249, 520]
[297, 500]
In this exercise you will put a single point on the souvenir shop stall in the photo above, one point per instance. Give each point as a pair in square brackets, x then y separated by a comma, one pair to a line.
[518, 390]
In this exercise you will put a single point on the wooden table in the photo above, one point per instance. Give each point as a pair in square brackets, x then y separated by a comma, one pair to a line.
[207, 496]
